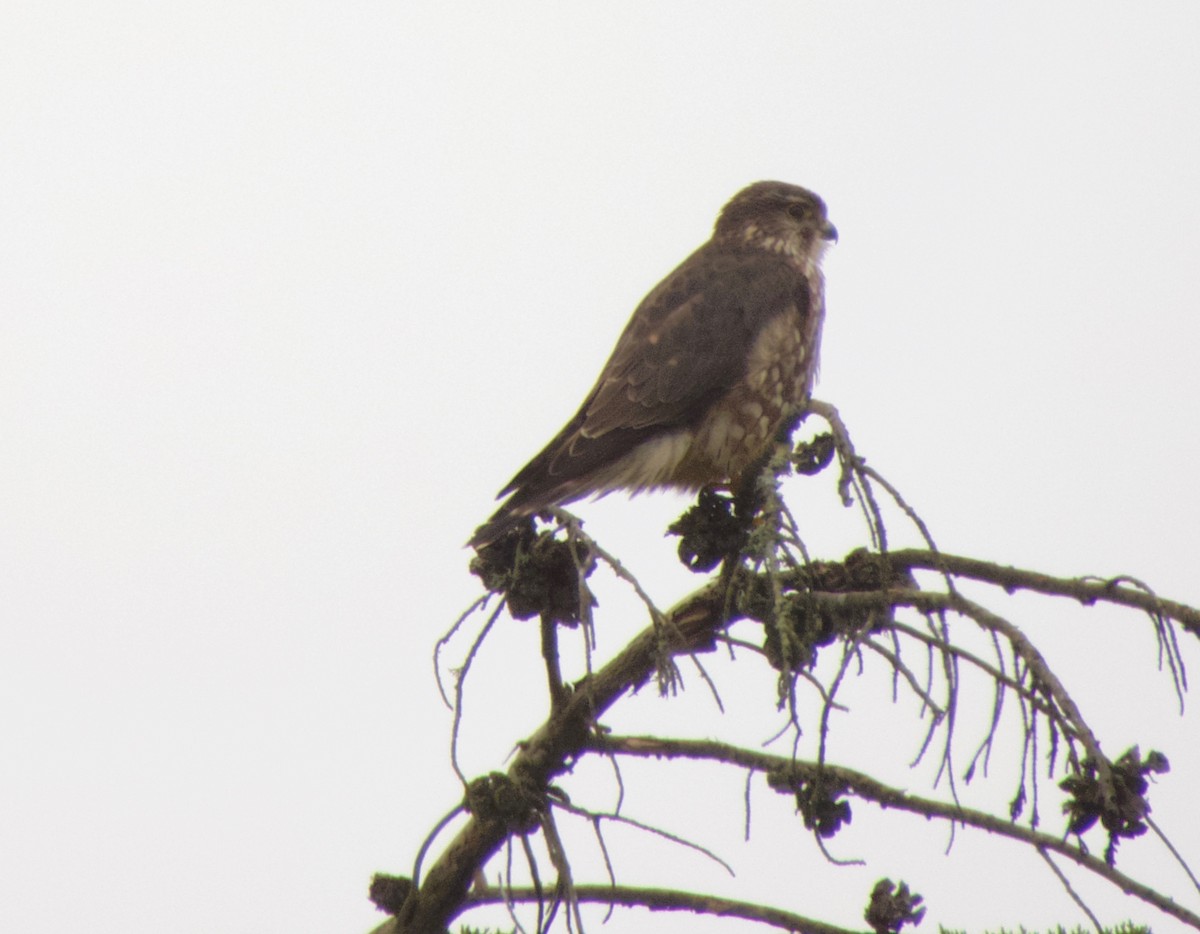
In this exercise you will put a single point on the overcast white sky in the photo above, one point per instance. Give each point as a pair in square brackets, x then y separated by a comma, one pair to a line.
[289, 290]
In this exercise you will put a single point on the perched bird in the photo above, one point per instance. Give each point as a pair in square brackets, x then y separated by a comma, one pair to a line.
[719, 356]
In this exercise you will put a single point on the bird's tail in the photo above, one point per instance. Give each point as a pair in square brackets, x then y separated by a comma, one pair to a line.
[503, 520]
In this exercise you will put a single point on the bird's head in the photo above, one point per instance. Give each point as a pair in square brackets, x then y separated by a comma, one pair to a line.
[780, 217]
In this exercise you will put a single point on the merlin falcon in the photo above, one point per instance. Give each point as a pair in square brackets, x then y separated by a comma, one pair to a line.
[716, 361]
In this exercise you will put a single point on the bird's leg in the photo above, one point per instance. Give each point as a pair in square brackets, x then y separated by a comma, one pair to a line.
[748, 497]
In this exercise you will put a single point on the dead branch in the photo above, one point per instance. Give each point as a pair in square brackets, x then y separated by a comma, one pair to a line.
[693, 625]
[869, 789]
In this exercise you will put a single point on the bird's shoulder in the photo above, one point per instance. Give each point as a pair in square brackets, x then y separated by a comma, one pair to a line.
[721, 285]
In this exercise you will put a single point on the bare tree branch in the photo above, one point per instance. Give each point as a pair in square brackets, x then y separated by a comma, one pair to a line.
[1086, 590]
[673, 900]
[693, 626]
[869, 789]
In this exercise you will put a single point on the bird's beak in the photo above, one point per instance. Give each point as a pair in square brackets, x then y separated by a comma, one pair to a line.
[829, 232]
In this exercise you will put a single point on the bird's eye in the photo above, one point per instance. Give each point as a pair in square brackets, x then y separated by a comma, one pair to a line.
[797, 210]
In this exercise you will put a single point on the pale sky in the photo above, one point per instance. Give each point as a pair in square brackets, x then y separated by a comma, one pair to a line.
[289, 290]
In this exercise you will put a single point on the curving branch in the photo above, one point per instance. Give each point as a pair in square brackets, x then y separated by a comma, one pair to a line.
[1122, 591]
[655, 899]
[867, 788]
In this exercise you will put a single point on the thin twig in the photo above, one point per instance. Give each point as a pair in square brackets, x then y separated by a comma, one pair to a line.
[460, 678]
[1066, 884]
[649, 828]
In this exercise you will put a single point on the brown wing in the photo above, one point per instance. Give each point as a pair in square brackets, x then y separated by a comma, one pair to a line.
[683, 349]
